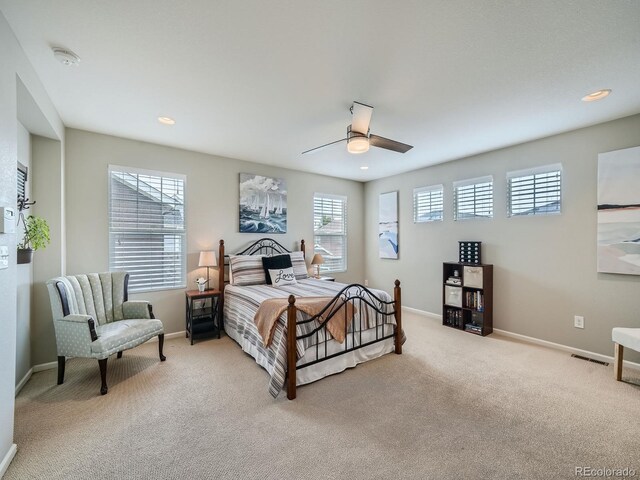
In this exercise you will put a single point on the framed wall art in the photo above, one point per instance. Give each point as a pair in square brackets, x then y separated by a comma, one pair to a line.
[388, 225]
[619, 211]
[263, 204]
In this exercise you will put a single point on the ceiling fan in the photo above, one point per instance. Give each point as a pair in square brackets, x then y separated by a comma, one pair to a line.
[358, 137]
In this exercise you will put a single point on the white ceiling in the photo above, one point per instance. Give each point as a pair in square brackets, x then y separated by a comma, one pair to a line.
[264, 81]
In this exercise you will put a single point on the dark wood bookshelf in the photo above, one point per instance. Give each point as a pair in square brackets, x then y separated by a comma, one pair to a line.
[468, 304]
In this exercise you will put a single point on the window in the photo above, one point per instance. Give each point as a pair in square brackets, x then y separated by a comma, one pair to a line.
[535, 191]
[427, 204]
[330, 231]
[22, 181]
[473, 198]
[147, 228]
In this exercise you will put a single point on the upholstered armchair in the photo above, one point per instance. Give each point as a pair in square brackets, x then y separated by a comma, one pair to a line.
[93, 318]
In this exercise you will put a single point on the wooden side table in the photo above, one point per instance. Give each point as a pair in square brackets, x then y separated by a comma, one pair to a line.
[202, 320]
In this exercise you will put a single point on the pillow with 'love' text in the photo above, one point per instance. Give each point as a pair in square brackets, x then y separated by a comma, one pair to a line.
[282, 276]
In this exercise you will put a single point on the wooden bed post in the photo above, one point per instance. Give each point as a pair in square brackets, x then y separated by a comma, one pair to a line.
[291, 348]
[398, 308]
[302, 247]
[221, 266]
[221, 282]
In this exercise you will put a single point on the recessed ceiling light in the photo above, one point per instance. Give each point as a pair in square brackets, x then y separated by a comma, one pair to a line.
[166, 120]
[66, 57]
[592, 97]
[364, 167]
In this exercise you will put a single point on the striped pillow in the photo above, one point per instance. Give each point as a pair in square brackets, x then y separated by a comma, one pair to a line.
[246, 270]
[299, 265]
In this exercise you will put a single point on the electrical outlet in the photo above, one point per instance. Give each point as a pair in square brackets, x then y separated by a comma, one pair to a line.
[366, 283]
[578, 321]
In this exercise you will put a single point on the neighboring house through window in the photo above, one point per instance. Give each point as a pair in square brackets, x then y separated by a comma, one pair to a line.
[428, 204]
[330, 231]
[473, 198]
[535, 191]
[147, 232]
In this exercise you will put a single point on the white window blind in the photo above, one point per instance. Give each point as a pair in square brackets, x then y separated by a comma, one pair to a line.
[147, 235]
[22, 181]
[330, 231]
[535, 191]
[428, 204]
[473, 198]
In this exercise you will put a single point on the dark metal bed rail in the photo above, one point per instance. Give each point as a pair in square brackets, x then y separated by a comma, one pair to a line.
[382, 314]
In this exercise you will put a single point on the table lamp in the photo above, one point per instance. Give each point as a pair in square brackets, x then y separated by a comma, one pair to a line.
[208, 259]
[317, 261]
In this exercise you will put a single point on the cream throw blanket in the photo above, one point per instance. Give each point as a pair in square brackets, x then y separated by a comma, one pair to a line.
[270, 310]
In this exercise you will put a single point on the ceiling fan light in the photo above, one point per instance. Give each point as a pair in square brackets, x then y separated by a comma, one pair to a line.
[359, 144]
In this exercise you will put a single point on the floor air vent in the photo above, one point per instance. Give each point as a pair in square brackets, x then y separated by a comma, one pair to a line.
[599, 362]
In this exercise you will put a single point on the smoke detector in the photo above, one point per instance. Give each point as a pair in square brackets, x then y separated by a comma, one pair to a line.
[66, 57]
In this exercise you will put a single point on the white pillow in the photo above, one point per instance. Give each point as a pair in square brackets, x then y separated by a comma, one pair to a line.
[299, 265]
[246, 270]
[282, 276]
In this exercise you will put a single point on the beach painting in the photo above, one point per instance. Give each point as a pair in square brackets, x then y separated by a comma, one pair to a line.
[619, 211]
[263, 204]
[388, 225]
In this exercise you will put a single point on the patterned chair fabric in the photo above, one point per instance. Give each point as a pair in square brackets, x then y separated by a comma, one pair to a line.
[93, 317]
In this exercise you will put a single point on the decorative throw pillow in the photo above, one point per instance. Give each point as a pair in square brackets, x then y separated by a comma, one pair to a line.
[282, 276]
[246, 270]
[299, 265]
[275, 262]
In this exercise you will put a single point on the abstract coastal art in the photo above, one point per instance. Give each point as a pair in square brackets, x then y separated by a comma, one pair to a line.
[263, 204]
[619, 211]
[388, 225]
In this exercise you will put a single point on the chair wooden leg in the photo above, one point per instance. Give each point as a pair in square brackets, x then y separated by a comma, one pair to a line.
[617, 362]
[119, 354]
[103, 376]
[61, 365]
[160, 346]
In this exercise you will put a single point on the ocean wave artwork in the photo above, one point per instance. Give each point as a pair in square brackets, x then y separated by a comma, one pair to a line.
[263, 204]
[388, 246]
[619, 211]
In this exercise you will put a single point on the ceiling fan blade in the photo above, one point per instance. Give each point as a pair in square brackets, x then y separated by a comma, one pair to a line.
[314, 150]
[382, 142]
[361, 117]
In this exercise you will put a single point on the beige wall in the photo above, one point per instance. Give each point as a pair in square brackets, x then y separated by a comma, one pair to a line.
[211, 207]
[544, 267]
[24, 274]
[15, 69]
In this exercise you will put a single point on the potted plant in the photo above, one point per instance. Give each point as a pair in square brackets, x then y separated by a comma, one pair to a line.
[36, 236]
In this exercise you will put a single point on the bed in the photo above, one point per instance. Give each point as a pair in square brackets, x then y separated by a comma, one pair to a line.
[337, 326]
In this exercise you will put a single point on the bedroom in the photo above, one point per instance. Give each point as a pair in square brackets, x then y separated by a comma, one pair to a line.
[533, 257]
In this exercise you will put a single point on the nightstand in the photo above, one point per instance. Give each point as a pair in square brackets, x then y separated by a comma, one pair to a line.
[203, 320]
[328, 279]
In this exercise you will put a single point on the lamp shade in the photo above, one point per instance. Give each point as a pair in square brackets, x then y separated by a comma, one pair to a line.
[317, 259]
[208, 259]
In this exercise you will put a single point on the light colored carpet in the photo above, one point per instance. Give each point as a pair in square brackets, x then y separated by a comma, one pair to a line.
[454, 406]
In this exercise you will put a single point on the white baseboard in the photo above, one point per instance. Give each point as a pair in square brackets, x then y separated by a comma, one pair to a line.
[4, 465]
[535, 341]
[168, 336]
[44, 366]
[24, 380]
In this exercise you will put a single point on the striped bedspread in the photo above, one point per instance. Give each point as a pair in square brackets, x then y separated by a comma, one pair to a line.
[242, 303]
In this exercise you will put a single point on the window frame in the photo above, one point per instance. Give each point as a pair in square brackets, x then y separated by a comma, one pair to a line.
[473, 182]
[534, 171]
[324, 268]
[428, 189]
[153, 173]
